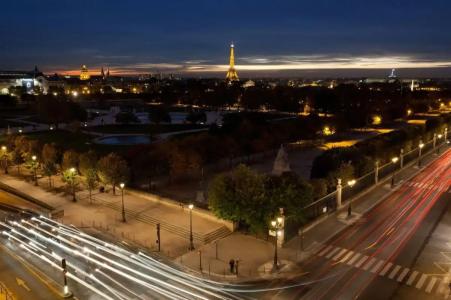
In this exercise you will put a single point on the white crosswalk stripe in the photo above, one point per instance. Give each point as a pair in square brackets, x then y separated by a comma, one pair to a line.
[369, 264]
[360, 262]
[377, 266]
[394, 271]
[421, 281]
[333, 252]
[412, 278]
[385, 269]
[325, 250]
[401, 274]
[431, 285]
[354, 258]
[336, 257]
[347, 256]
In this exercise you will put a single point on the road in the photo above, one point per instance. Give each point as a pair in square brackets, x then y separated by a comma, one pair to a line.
[372, 258]
[97, 269]
[13, 272]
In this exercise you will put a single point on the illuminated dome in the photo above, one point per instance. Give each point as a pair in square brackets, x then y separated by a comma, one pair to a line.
[84, 75]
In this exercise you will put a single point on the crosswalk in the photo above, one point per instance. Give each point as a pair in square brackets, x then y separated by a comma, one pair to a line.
[443, 187]
[430, 284]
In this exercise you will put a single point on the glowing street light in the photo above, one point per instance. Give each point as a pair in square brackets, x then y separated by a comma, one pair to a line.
[5, 158]
[191, 241]
[122, 186]
[70, 177]
[394, 161]
[276, 227]
[420, 147]
[34, 166]
[351, 183]
[439, 136]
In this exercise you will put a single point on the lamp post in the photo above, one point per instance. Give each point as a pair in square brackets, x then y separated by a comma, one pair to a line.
[5, 158]
[394, 161]
[191, 241]
[122, 186]
[439, 137]
[276, 226]
[420, 147]
[34, 165]
[72, 174]
[351, 183]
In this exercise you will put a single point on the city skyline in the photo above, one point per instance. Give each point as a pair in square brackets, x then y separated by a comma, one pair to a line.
[296, 38]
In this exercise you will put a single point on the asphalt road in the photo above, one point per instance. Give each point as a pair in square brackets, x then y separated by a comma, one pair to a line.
[372, 258]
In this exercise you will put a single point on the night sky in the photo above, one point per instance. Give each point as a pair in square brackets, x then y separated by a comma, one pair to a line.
[192, 37]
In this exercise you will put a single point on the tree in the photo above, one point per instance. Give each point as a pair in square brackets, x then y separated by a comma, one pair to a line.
[183, 160]
[49, 169]
[240, 197]
[319, 186]
[88, 168]
[290, 192]
[49, 158]
[17, 159]
[70, 160]
[70, 178]
[90, 181]
[87, 162]
[112, 169]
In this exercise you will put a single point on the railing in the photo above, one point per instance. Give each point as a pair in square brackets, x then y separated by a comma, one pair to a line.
[328, 203]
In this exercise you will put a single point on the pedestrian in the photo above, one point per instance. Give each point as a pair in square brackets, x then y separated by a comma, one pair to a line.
[232, 265]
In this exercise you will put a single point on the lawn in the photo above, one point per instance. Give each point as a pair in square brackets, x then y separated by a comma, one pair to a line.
[144, 128]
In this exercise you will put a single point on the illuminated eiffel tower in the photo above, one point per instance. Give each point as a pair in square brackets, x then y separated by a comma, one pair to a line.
[231, 73]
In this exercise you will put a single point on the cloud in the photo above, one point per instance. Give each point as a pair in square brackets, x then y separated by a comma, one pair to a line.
[285, 63]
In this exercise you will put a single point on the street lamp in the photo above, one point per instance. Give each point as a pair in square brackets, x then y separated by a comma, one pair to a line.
[191, 242]
[439, 136]
[420, 147]
[276, 226]
[351, 183]
[122, 186]
[72, 174]
[34, 165]
[394, 161]
[5, 158]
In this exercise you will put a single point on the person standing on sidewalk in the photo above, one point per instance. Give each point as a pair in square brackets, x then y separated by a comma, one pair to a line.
[232, 265]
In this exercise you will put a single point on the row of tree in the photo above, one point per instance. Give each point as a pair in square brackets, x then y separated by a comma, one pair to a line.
[358, 160]
[50, 161]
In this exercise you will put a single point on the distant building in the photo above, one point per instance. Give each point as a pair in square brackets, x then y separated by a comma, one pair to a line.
[26, 80]
[84, 75]
[231, 73]
[248, 84]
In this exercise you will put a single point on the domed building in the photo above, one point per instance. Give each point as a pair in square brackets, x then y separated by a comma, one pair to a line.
[84, 75]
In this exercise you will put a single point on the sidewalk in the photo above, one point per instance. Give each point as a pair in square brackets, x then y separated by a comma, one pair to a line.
[256, 256]
[104, 214]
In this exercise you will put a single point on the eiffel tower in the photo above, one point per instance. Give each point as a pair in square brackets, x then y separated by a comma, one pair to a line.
[231, 73]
